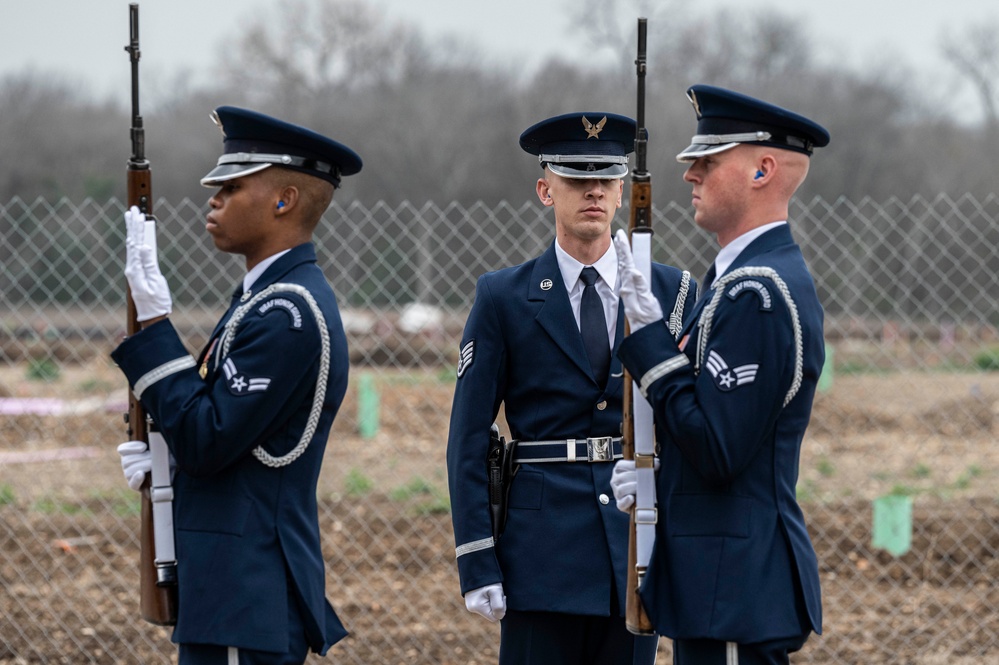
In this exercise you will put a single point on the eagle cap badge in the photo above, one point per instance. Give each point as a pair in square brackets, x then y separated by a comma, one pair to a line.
[218, 123]
[593, 131]
[692, 96]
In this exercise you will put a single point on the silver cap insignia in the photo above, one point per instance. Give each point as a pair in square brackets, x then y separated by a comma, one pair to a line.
[593, 131]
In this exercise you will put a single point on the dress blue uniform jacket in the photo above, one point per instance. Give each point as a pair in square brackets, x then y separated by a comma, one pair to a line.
[563, 547]
[246, 531]
[733, 560]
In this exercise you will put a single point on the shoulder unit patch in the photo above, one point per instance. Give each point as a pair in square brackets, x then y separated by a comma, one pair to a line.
[293, 312]
[740, 287]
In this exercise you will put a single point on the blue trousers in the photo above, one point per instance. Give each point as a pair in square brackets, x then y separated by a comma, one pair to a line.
[213, 654]
[550, 638]
[714, 652]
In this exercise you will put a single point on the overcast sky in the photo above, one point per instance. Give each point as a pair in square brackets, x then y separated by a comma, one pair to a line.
[84, 39]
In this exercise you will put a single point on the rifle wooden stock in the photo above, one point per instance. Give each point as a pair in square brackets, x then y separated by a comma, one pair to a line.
[157, 604]
[635, 617]
[639, 221]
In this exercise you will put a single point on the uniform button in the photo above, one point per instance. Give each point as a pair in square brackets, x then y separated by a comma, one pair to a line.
[604, 499]
[602, 405]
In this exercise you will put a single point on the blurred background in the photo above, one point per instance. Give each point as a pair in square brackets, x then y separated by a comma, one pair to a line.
[899, 222]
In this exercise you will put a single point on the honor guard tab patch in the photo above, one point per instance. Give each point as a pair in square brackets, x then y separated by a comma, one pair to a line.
[240, 384]
[288, 306]
[737, 289]
[729, 378]
[465, 357]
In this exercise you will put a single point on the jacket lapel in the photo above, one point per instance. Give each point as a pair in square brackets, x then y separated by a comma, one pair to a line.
[555, 315]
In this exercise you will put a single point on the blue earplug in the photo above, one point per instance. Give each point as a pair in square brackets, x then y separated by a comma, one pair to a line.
[280, 204]
[759, 174]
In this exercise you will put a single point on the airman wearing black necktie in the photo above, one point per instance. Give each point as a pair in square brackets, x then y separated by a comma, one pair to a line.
[539, 341]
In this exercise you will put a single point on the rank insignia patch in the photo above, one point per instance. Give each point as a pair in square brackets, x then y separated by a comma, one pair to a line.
[728, 378]
[240, 384]
[465, 357]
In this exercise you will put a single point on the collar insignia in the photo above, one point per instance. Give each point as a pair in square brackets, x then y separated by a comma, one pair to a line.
[593, 131]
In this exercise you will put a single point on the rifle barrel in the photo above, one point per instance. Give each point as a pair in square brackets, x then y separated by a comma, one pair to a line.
[138, 158]
[641, 138]
[639, 224]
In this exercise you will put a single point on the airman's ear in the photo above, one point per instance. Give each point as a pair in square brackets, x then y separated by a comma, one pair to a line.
[544, 192]
[288, 199]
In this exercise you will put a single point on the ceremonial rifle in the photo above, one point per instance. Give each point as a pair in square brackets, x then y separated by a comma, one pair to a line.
[157, 583]
[638, 435]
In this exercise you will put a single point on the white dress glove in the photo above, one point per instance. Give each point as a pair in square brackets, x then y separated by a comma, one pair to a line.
[640, 306]
[136, 462]
[489, 601]
[150, 292]
[624, 482]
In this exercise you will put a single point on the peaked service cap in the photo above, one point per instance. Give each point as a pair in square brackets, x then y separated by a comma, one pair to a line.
[583, 145]
[726, 118]
[253, 141]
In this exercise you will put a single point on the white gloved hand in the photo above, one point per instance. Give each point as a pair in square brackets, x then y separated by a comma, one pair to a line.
[136, 462]
[489, 601]
[150, 292]
[640, 306]
[624, 482]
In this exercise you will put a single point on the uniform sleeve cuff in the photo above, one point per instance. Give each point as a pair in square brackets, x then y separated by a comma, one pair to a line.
[650, 354]
[477, 565]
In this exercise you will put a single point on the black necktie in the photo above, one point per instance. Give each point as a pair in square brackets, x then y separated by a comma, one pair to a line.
[593, 326]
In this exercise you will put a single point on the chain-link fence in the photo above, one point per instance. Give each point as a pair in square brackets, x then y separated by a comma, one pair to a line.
[898, 473]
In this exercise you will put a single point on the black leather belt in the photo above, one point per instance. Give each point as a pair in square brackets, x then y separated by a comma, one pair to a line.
[592, 449]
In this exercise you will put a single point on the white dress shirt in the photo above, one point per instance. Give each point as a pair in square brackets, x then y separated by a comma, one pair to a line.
[731, 251]
[259, 269]
[606, 286]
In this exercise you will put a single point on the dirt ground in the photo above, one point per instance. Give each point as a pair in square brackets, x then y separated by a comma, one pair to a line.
[68, 547]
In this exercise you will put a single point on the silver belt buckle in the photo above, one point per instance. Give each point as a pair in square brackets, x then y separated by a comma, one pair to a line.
[600, 449]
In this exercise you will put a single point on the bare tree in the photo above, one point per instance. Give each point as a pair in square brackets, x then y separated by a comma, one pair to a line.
[59, 142]
[313, 47]
[974, 53]
[434, 122]
[740, 50]
[609, 29]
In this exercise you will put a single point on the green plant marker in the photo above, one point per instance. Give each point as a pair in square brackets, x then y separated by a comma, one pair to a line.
[367, 407]
[826, 377]
[892, 530]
